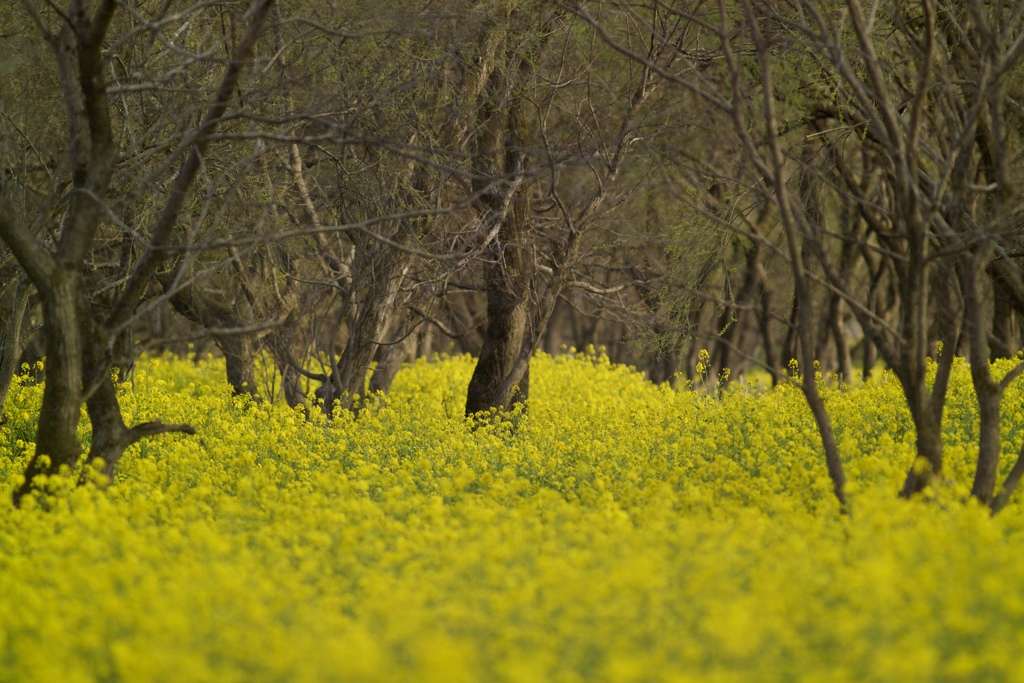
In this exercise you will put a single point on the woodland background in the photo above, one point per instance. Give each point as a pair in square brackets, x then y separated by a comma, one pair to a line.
[795, 186]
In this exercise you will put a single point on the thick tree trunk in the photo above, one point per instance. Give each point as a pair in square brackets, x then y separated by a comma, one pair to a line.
[110, 435]
[926, 408]
[989, 443]
[364, 338]
[56, 273]
[57, 440]
[510, 273]
[508, 313]
[928, 461]
[240, 363]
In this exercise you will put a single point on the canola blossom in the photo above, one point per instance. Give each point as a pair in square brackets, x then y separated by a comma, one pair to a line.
[616, 531]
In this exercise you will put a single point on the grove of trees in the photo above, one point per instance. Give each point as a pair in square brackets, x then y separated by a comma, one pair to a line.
[806, 188]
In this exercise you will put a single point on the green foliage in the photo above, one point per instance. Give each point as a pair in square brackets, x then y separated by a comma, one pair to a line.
[624, 532]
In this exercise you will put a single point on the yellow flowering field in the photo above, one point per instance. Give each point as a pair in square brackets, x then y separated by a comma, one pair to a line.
[621, 532]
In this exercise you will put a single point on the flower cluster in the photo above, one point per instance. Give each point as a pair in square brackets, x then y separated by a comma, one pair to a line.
[614, 531]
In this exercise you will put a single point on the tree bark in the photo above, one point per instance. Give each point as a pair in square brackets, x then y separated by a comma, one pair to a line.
[928, 460]
[795, 247]
[12, 340]
[279, 343]
[508, 289]
[989, 392]
[57, 438]
[384, 270]
[211, 312]
[1010, 485]
[239, 362]
[390, 359]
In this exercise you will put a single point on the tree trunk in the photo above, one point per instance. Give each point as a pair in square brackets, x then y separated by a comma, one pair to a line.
[1004, 336]
[57, 439]
[370, 327]
[68, 324]
[989, 443]
[110, 435]
[764, 319]
[212, 312]
[928, 460]
[869, 358]
[989, 392]
[390, 359]
[240, 362]
[731, 321]
[508, 309]
[1010, 485]
[382, 268]
[12, 339]
[789, 343]
[510, 273]
[279, 343]
[844, 364]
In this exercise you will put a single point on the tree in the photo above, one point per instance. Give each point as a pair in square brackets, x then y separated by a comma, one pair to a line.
[890, 169]
[80, 338]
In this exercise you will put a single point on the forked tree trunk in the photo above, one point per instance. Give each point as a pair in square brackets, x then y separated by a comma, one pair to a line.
[390, 359]
[381, 297]
[279, 343]
[927, 405]
[989, 392]
[110, 436]
[509, 277]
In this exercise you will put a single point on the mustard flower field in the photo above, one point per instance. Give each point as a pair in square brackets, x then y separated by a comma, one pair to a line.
[621, 532]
